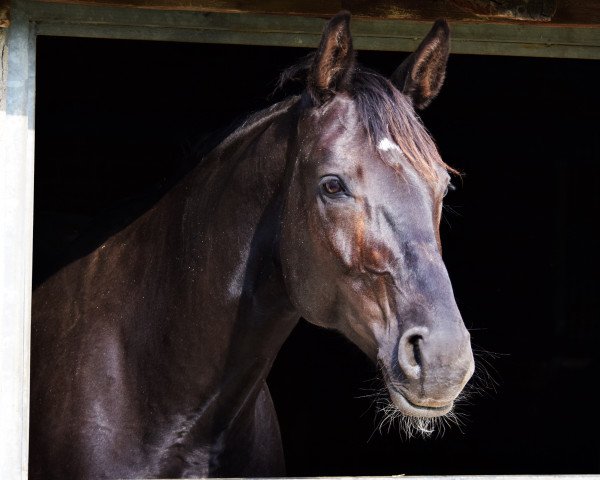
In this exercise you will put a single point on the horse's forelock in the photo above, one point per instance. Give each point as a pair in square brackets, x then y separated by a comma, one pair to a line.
[386, 114]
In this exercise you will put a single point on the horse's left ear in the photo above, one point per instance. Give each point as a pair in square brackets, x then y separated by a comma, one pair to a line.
[333, 63]
[422, 74]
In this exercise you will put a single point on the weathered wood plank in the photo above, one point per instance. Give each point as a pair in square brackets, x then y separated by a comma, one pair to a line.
[474, 46]
[310, 7]
[536, 10]
[279, 30]
[563, 12]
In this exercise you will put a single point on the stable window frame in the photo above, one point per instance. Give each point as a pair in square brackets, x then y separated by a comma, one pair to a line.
[30, 18]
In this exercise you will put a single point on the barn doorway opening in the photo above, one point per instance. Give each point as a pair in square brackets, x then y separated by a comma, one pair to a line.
[115, 120]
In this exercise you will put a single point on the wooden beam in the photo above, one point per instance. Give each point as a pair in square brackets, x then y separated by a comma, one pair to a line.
[298, 31]
[529, 10]
[550, 12]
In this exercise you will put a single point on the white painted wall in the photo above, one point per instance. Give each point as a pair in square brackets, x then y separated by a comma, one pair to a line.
[17, 90]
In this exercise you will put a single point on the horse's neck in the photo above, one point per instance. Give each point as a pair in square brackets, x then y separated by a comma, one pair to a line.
[223, 301]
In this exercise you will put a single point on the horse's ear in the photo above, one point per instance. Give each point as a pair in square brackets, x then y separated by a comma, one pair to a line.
[333, 63]
[422, 74]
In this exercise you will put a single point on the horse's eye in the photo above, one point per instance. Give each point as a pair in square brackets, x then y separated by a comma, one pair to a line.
[332, 186]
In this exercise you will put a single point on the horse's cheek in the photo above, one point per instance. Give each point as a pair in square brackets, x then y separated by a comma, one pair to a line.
[298, 259]
[337, 237]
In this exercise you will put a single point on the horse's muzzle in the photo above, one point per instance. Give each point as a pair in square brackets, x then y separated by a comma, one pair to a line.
[434, 368]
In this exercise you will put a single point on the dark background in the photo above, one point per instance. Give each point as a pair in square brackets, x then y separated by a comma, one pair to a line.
[116, 119]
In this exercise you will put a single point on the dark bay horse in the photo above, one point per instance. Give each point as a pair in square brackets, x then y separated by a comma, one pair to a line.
[150, 354]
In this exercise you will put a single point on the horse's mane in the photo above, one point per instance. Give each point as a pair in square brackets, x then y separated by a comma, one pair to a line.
[239, 127]
[385, 113]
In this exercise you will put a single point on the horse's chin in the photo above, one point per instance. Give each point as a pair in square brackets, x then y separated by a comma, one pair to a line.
[411, 409]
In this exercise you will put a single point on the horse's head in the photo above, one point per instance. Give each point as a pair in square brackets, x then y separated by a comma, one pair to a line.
[360, 247]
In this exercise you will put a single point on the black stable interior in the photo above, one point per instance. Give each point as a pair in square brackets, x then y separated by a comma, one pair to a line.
[116, 119]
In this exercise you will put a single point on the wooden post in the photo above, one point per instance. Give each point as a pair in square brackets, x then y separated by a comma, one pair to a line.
[17, 84]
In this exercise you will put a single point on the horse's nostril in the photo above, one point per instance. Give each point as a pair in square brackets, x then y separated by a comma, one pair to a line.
[409, 351]
[415, 340]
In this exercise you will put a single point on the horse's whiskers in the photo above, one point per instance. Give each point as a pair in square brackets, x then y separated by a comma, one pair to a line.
[483, 381]
[389, 417]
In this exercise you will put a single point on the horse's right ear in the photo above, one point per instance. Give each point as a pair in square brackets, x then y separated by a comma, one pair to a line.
[333, 64]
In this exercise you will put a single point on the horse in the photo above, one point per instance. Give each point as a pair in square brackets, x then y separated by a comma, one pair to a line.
[150, 353]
